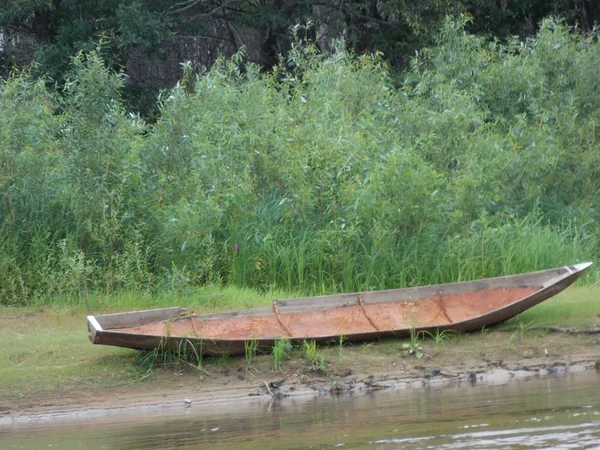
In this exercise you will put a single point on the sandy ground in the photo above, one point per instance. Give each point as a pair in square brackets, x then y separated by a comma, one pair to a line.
[499, 357]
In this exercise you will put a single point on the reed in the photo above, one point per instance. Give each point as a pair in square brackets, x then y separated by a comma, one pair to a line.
[521, 246]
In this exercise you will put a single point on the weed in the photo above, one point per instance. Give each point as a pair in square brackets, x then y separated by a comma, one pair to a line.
[314, 357]
[250, 348]
[186, 352]
[430, 372]
[413, 347]
[519, 335]
[281, 351]
[224, 358]
[523, 328]
[310, 350]
[189, 352]
[528, 353]
[439, 337]
[341, 342]
[512, 342]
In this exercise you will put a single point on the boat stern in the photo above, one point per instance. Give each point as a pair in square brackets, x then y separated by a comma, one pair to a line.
[94, 329]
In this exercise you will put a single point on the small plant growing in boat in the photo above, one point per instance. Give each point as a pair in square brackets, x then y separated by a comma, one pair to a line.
[250, 349]
[281, 350]
[413, 347]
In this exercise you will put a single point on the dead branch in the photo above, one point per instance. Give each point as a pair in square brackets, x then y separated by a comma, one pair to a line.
[195, 367]
[269, 389]
[553, 329]
[571, 330]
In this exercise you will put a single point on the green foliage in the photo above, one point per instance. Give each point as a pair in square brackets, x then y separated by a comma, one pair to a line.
[319, 176]
[281, 351]
[439, 338]
[413, 346]
[503, 19]
[250, 348]
[528, 130]
[61, 29]
[316, 359]
[137, 33]
[185, 352]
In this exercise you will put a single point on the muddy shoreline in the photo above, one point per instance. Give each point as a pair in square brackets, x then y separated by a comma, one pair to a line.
[251, 388]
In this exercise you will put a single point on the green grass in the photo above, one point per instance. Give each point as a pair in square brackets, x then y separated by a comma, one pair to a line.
[305, 260]
[44, 351]
[46, 348]
[250, 349]
[200, 299]
[315, 358]
[281, 351]
[576, 307]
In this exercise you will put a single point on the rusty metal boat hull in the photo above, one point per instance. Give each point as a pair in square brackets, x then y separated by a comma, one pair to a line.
[464, 306]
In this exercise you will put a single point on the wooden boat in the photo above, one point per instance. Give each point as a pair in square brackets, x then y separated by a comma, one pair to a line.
[463, 306]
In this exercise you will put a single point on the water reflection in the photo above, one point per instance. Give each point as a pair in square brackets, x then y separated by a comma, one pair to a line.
[557, 412]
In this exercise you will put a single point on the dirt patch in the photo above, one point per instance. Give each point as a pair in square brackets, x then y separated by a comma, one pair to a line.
[494, 357]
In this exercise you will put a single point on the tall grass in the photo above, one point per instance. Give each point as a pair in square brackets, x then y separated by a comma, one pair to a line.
[305, 261]
[323, 175]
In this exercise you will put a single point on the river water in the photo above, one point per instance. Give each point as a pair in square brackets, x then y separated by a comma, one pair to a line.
[556, 412]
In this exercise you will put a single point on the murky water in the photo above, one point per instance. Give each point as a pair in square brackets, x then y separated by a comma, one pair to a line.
[558, 412]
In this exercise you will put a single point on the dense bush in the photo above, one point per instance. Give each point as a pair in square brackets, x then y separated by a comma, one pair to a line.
[321, 175]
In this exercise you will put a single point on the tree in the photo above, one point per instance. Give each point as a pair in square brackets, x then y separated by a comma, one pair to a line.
[150, 39]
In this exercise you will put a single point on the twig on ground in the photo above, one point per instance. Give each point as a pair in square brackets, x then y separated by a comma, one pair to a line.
[200, 369]
[557, 330]
[573, 330]
[269, 389]
[448, 374]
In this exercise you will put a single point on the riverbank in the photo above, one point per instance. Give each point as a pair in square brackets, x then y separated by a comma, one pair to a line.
[68, 379]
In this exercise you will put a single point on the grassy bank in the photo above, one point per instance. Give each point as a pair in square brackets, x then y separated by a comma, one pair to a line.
[46, 352]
